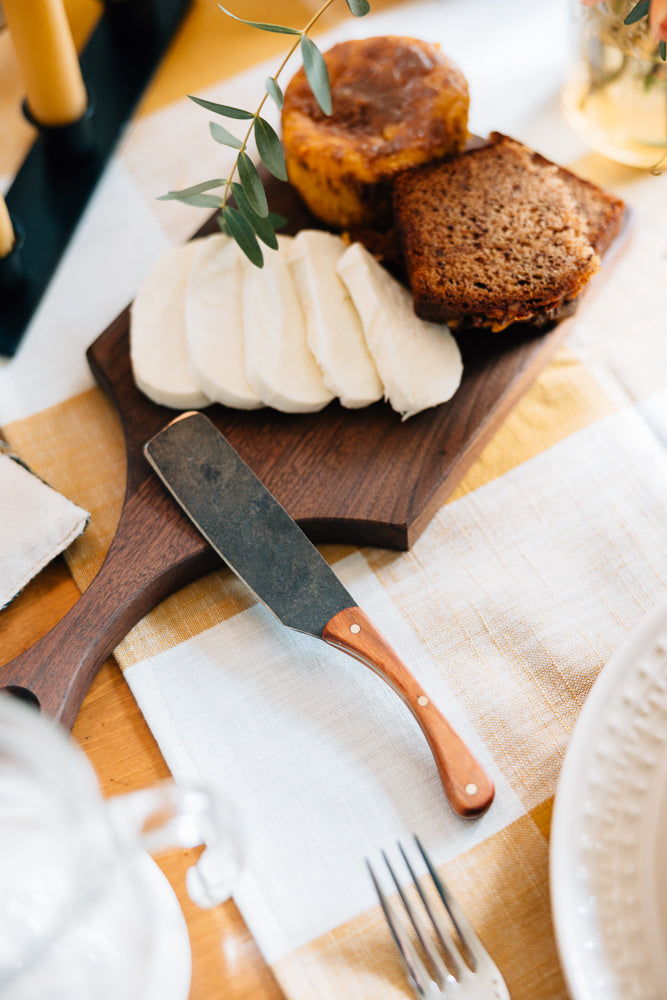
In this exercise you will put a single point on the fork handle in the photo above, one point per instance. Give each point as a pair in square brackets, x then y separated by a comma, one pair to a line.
[468, 788]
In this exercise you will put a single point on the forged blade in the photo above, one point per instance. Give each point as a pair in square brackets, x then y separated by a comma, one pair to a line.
[245, 524]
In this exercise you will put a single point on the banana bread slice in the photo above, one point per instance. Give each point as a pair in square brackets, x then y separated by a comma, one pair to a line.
[491, 237]
[602, 212]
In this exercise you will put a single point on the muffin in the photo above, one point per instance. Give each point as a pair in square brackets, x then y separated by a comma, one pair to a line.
[396, 103]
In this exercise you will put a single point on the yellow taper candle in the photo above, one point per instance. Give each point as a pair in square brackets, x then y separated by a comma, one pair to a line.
[47, 58]
[6, 230]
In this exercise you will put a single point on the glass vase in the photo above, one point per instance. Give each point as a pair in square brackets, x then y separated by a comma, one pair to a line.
[615, 95]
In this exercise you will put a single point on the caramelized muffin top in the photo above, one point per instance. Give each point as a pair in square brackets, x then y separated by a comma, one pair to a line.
[389, 94]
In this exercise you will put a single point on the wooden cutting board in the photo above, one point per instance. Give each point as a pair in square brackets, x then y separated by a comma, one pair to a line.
[361, 476]
[358, 476]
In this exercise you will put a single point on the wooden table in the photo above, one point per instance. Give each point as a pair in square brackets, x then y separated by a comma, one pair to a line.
[110, 727]
[111, 730]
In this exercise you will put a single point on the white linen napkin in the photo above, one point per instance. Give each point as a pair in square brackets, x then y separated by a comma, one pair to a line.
[36, 525]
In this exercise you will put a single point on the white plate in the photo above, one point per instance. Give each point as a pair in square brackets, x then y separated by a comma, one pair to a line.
[609, 833]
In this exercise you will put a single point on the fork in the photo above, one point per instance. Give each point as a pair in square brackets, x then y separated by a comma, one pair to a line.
[465, 974]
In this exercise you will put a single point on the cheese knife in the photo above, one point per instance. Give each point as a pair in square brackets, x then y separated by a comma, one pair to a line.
[265, 547]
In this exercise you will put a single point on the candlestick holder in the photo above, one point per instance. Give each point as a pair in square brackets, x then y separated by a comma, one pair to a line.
[62, 168]
[66, 143]
[11, 266]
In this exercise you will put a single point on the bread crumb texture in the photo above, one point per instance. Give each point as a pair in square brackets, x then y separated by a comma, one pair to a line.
[495, 235]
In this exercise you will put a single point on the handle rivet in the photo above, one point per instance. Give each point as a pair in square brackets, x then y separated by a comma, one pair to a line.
[422, 700]
[471, 789]
[355, 629]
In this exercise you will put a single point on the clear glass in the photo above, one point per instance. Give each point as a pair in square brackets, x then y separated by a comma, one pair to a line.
[75, 917]
[615, 96]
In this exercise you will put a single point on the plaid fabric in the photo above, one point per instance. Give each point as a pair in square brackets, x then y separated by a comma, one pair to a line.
[507, 607]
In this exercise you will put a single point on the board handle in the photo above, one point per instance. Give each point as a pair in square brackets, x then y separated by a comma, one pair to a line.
[468, 788]
[154, 551]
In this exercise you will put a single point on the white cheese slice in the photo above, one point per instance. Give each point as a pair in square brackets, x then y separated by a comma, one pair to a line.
[214, 324]
[418, 362]
[158, 349]
[333, 326]
[279, 364]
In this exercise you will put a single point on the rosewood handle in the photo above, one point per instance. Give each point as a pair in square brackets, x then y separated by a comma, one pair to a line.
[467, 786]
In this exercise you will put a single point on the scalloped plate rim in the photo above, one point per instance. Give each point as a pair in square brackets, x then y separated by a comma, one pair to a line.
[571, 910]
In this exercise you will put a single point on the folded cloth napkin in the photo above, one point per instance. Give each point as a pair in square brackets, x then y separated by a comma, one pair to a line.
[36, 525]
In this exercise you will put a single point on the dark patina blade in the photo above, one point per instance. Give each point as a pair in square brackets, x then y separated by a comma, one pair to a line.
[245, 524]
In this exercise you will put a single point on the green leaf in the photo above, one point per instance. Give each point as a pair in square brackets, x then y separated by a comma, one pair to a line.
[638, 11]
[359, 8]
[202, 200]
[277, 221]
[252, 185]
[241, 231]
[317, 73]
[274, 91]
[278, 28]
[221, 109]
[189, 191]
[270, 149]
[224, 137]
[261, 225]
[662, 49]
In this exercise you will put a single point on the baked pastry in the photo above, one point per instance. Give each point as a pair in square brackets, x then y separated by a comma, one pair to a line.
[601, 211]
[396, 103]
[499, 235]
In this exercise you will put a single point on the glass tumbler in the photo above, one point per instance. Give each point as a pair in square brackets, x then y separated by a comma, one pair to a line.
[615, 95]
[77, 901]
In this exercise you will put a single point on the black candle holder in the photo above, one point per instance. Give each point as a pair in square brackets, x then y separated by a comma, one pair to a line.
[64, 164]
[66, 143]
[11, 266]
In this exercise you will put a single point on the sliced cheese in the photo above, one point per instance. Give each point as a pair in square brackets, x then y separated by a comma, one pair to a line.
[279, 364]
[333, 327]
[158, 349]
[418, 362]
[214, 324]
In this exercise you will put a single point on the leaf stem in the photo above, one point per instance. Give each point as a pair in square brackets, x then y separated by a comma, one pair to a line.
[316, 16]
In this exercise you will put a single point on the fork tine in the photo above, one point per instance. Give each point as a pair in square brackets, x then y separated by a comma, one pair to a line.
[415, 968]
[441, 971]
[471, 942]
[446, 939]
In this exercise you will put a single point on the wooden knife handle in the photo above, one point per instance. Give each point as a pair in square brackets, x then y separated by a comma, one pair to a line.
[468, 788]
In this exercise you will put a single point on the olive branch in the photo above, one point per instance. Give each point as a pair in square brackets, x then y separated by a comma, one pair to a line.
[252, 221]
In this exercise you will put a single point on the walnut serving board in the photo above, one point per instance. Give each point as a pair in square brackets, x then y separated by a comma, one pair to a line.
[357, 476]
